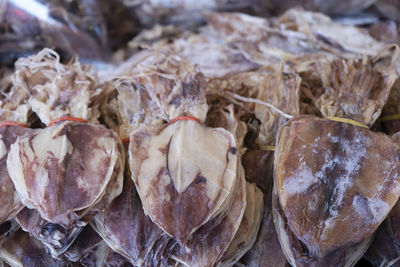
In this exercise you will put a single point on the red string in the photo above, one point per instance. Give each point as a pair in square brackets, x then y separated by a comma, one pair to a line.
[185, 118]
[67, 118]
[12, 123]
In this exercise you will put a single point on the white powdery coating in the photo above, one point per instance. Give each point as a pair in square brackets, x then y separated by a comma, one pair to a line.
[355, 150]
[300, 181]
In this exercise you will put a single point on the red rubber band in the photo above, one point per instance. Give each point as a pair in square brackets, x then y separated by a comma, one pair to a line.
[184, 118]
[12, 123]
[67, 118]
[126, 140]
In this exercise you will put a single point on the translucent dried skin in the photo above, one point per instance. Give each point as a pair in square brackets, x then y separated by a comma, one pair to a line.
[221, 60]
[355, 89]
[329, 188]
[247, 233]
[23, 250]
[134, 106]
[10, 202]
[224, 117]
[178, 183]
[64, 160]
[301, 37]
[13, 102]
[334, 37]
[283, 91]
[173, 84]
[209, 242]
[264, 41]
[154, 87]
[128, 231]
[55, 89]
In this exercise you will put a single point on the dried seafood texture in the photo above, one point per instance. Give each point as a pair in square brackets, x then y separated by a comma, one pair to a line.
[300, 37]
[13, 102]
[184, 172]
[382, 251]
[209, 242]
[258, 166]
[331, 36]
[385, 31]
[53, 236]
[55, 89]
[10, 202]
[283, 91]
[174, 85]
[330, 196]
[86, 242]
[133, 106]
[391, 108]
[104, 256]
[247, 233]
[154, 88]
[89, 250]
[225, 117]
[356, 89]
[266, 251]
[128, 231]
[23, 250]
[265, 42]
[67, 159]
[222, 60]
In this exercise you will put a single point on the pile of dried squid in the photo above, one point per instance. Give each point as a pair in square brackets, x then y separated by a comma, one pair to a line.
[250, 142]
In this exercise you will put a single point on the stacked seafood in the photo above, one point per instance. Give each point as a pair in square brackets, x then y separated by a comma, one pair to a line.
[250, 142]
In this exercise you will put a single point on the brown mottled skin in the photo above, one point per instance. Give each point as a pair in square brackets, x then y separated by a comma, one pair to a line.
[132, 232]
[8, 203]
[259, 166]
[327, 181]
[210, 241]
[65, 178]
[184, 211]
[266, 251]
